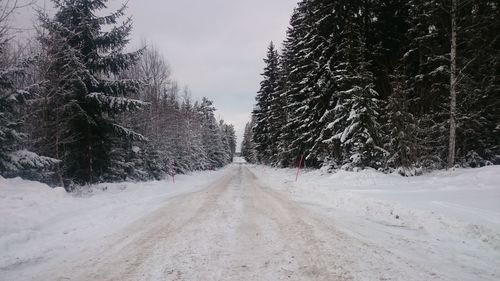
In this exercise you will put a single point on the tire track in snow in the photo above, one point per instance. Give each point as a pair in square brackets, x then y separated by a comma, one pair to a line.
[237, 229]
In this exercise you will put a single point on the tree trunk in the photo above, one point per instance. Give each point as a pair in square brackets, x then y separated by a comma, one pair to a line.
[453, 85]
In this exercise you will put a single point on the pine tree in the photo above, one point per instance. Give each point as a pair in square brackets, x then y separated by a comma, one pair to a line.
[330, 99]
[426, 66]
[15, 159]
[401, 140]
[186, 140]
[478, 83]
[313, 92]
[360, 138]
[348, 67]
[230, 135]
[265, 141]
[247, 145]
[358, 130]
[84, 60]
[295, 68]
[277, 119]
[200, 153]
[212, 136]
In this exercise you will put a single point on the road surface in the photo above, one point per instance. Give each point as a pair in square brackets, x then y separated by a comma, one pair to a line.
[236, 228]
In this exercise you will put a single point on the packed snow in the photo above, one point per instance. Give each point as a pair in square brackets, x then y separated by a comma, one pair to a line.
[441, 226]
[41, 226]
[446, 220]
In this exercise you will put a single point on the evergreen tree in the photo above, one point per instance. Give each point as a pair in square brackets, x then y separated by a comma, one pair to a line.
[426, 65]
[313, 92]
[230, 136]
[298, 84]
[265, 125]
[212, 136]
[348, 67]
[400, 142]
[15, 159]
[360, 137]
[478, 83]
[247, 145]
[85, 56]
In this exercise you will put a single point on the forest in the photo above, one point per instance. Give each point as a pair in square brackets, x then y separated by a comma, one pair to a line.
[399, 85]
[76, 108]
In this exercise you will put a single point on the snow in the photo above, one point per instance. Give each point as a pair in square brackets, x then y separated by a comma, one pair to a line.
[447, 220]
[41, 226]
[239, 160]
[438, 70]
[25, 158]
[444, 224]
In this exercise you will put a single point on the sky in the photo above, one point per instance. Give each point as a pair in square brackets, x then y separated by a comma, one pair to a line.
[214, 47]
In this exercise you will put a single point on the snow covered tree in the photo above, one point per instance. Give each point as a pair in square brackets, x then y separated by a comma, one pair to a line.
[85, 57]
[349, 66]
[212, 136]
[426, 79]
[401, 139]
[176, 127]
[330, 74]
[360, 138]
[478, 83]
[15, 159]
[247, 145]
[297, 85]
[229, 135]
[358, 108]
[192, 151]
[264, 131]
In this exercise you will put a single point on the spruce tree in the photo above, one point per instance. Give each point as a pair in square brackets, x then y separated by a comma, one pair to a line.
[15, 159]
[212, 136]
[358, 108]
[313, 92]
[478, 83]
[230, 136]
[295, 68]
[263, 130]
[400, 125]
[426, 71]
[85, 57]
[247, 145]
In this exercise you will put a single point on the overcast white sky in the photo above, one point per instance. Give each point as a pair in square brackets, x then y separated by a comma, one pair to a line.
[215, 47]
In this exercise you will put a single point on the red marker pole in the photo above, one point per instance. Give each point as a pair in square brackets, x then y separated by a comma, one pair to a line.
[298, 168]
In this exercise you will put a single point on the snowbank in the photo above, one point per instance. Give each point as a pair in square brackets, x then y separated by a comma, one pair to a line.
[464, 201]
[445, 219]
[42, 225]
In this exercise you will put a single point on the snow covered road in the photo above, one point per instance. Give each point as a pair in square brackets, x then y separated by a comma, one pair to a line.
[242, 226]
[235, 229]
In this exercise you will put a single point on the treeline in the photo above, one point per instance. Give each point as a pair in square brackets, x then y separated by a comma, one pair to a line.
[406, 85]
[95, 112]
